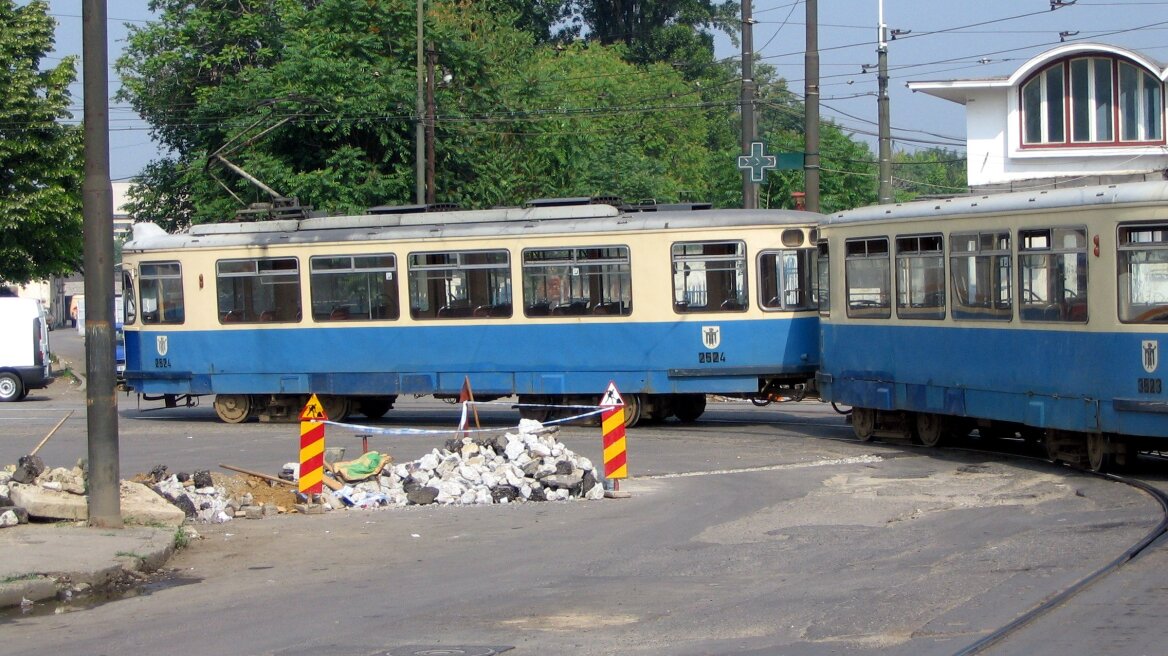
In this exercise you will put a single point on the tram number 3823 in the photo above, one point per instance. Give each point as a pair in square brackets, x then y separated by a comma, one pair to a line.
[1150, 386]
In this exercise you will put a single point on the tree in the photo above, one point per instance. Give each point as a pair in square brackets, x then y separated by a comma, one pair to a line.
[40, 158]
[929, 172]
[676, 32]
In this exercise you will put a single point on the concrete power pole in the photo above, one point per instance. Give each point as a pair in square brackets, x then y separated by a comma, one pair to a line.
[811, 107]
[749, 189]
[97, 210]
[419, 128]
[885, 147]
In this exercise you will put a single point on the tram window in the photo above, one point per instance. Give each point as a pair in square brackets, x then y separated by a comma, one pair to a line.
[866, 275]
[785, 279]
[258, 290]
[460, 284]
[161, 291]
[1052, 274]
[1143, 273]
[354, 287]
[920, 277]
[577, 281]
[129, 312]
[709, 276]
[979, 267]
[823, 280]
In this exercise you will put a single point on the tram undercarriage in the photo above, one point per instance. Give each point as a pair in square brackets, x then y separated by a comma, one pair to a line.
[1099, 452]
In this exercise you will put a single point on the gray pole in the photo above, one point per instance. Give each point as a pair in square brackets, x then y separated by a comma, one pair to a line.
[811, 108]
[97, 209]
[419, 129]
[431, 56]
[885, 146]
[749, 188]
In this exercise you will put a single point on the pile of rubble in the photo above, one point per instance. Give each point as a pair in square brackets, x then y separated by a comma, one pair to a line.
[526, 465]
[529, 464]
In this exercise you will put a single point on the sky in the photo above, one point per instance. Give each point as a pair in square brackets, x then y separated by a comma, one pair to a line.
[943, 40]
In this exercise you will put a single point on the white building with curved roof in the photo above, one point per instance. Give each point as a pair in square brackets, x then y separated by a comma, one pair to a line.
[1077, 114]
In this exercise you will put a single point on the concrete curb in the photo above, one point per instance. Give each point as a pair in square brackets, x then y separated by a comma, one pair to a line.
[115, 556]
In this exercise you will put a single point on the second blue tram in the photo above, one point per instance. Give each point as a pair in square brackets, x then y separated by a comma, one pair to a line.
[1037, 315]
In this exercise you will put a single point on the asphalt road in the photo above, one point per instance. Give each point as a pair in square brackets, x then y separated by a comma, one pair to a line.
[752, 531]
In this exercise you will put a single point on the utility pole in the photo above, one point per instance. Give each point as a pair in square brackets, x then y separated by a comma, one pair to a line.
[885, 146]
[431, 56]
[749, 131]
[97, 210]
[419, 128]
[811, 107]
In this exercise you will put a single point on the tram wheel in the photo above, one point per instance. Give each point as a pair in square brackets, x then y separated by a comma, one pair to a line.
[336, 408]
[1100, 456]
[930, 428]
[688, 407]
[233, 408]
[864, 423]
[633, 407]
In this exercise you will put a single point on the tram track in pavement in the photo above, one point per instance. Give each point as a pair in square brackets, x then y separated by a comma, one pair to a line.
[1016, 449]
[1001, 634]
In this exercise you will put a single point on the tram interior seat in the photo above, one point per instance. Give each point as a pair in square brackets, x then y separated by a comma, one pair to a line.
[541, 309]
[732, 304]
[454, 311]
[268, 315]
[339, 313]
[610, 308]
[574, 308]
[232, 316]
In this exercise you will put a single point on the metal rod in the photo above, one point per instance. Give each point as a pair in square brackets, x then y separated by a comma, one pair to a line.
[46, 438]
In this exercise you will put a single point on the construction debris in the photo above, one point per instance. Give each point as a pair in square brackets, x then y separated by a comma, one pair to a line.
[528, 464]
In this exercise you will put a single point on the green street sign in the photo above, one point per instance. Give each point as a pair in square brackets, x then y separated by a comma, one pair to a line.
[758, 162]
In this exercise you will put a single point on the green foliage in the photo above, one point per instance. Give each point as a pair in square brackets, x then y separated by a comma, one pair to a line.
[40, 158]
[318, 101]
[929, 172]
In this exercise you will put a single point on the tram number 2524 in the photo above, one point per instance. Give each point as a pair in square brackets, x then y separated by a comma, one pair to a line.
[709, 357]
[1150, 386]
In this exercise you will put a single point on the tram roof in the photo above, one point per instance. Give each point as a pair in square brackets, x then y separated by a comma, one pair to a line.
[1154, 192]
[578, 219]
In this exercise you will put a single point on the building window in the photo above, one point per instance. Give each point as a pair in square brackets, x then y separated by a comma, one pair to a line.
[577, 281]
[1140, 105]
[1092, 101]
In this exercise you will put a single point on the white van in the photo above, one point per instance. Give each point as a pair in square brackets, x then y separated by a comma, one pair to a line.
[24, 347]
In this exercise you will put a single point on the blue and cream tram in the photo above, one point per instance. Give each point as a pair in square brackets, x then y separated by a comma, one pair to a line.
[1034, 314]
[549, 302]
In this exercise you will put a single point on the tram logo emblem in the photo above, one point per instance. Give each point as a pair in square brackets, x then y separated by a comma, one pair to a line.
[161, 345]
[711, 336]
[1151, 350]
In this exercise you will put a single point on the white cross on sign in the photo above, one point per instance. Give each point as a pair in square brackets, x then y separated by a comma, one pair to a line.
[612, 398]
[757, 162]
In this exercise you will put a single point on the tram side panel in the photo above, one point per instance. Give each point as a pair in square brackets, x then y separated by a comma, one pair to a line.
[654, 351]
[1090, 373]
